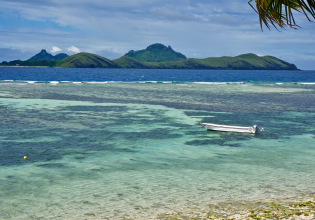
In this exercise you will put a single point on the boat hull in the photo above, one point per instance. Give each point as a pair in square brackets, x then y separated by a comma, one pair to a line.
[227, 128]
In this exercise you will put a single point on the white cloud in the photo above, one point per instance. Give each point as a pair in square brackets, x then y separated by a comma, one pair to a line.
[55, 49]
[74, 49]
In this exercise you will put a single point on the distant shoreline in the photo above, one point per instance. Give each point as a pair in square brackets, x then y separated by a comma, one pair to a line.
[26, 66]
[158, 68]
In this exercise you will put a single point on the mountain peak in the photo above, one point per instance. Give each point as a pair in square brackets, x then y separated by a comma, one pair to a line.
[43, 55]
[156, 53]
[156, 46]
[248, 56]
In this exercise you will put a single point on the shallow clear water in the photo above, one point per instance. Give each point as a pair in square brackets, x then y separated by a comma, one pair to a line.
[136, 150]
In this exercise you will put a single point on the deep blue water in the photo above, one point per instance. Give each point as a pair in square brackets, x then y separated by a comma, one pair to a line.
[88, 74]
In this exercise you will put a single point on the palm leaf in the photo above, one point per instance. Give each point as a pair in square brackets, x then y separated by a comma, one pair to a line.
[279, 12]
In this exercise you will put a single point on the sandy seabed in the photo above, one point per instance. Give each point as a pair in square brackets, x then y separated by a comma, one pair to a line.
[301, 207]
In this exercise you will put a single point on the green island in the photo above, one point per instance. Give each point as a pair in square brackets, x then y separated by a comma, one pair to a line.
[156, 56]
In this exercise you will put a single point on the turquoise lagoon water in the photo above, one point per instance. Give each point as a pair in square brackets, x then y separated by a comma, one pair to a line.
[134, 150]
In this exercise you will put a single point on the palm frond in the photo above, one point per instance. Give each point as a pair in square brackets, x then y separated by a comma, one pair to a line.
[279, 13]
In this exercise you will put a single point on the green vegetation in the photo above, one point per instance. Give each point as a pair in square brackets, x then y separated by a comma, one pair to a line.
[86, 60]
[60, 56]
[46, 63]
[128, 62]
[43, 55]
[241, 62]
[156, 53]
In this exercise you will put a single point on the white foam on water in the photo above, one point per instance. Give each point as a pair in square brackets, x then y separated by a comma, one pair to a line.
[308, 83]
[5, 83]
[211, 83]
[150, 82]
[97, 82]
[238, 83]
[114, 82]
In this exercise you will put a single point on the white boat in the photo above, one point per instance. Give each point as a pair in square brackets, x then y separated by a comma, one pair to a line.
[215, 127]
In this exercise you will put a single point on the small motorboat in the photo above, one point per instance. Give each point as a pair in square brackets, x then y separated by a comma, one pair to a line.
[215, 127]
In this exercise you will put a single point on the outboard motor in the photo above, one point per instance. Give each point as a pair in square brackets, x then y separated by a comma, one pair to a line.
[256, 128]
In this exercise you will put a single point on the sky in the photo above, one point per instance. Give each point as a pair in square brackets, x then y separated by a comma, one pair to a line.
[195, 28]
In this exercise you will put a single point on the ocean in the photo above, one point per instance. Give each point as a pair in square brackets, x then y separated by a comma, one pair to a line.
[127, 143]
